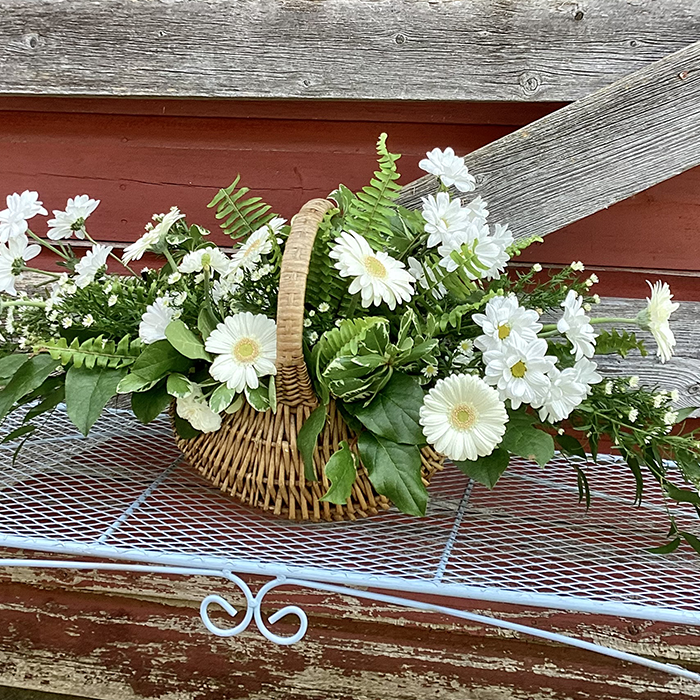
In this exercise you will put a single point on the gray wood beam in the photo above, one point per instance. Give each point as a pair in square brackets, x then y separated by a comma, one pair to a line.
[486, 50]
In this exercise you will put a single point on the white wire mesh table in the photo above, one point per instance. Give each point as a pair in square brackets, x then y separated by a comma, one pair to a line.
[123, 493]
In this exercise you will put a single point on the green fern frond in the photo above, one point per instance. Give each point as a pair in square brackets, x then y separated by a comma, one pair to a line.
[323, 283]
[518, 246]
[618, 342]
[240, 216]
[453, 318]
[371, 211]
[93, 352]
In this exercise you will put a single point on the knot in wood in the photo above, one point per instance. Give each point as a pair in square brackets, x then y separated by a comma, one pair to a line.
[529, 82]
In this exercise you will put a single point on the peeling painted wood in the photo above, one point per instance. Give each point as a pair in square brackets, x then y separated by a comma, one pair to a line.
[533, 50]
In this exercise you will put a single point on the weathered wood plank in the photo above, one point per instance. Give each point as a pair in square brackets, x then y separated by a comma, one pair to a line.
[117, 636]
[633, 134]
[532, 50]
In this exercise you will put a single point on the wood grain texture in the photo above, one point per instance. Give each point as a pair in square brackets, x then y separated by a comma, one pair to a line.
[116, 636]
[620, 140]
[531, 50]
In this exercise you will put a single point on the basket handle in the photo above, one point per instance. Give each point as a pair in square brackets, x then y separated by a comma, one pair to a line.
[290, 304]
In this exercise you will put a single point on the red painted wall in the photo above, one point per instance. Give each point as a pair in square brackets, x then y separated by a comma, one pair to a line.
[140, 157]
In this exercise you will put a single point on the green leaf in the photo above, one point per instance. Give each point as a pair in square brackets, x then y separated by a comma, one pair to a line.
[55, 395]
[241, 216]
[11, 363]
[395, 471]
[486, 470]
[570, 445]
[185, 341]
[341, 469]
[157, 360]
[307, 439]
[672, 546]
[221, 398]
[394, 412]
[692, 540]
[258, 398]
[682, 495]
[527, 441]
[184, 429]
[87, 393]
[684, 413]
[148, 405]
[18, 432]
[30, 375]
[179, 386]
[206, 322]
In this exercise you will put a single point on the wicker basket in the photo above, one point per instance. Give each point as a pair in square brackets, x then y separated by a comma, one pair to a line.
[254, 456]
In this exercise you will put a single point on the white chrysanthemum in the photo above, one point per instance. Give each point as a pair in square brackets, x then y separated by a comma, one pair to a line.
[196, 411]
[565, 393]
[20, 207]
[463, 418]
[655, 319]
[451, 169]
[377, 276]
[153, 235]
[90, 263]
[587, 372]
[576, 326]
[426, 278]
[250, 253]
[246, 345]
[72, 219]
[444, 218]
[13, 256]
[501, 239]
[490, 249]
[504, 319]
[223, 288]
[205, 258]
[519, 370]
[156, 319]
[464, 353]
[477, 210]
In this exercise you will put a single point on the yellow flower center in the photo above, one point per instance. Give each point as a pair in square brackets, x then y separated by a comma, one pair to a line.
[503, 331]
[375, 267]
[463, 416]
[246, 350]
[518, 369]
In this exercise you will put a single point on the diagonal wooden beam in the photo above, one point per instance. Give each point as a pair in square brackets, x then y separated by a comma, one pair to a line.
[620, 140]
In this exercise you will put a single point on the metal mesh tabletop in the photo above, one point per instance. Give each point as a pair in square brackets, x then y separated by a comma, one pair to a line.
[124, 493]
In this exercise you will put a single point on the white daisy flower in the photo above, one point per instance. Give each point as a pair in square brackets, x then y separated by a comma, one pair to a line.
[250, 253]
[174, 277]
[377, 276]
[633, 381]
[478, 212]
[205, 258]
[608, 388]
[670, 417]
[275, 225]
[659, 400]
[463, 418]
[429, 371]
[88, 320]
[675, 395]
[155, 320]
[426, 278]
[444, 218]
[20, 207]
[490, 249]
[450, 168]
[577, 266]
[88, 266]
[565, 393]
[323, 307]
[501, 239]
[576, 326]
[519, 370]
[246, 345]
[587, 373]
[505, 319]
[112, 301]
[464, 354]
[633, 415]
[72, 219]
[67, 322]
[223, 288]
[537, 267]
[13, 256]
[196, 411]
[153, 236]
[655, 319]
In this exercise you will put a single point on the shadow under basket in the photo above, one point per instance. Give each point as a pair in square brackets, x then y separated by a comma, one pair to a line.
[253, 457]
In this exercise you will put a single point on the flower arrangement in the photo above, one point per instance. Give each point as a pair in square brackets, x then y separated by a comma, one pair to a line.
[413, 326]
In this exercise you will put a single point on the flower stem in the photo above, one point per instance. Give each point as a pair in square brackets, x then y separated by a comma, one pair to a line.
[21, 302]
[53, 275]
[46, 244]
[112, 255]
[170, 259]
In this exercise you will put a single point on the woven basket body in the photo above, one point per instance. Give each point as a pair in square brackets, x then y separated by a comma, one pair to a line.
[253, 457]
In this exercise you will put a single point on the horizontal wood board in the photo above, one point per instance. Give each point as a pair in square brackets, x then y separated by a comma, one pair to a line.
[116, 636]
[489, 50]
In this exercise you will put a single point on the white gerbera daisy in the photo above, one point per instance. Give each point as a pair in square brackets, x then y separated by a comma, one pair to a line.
[13, 256]
[576, 326]
[463, 418]
[519, 370]
[91, 262]
[566, 392]
[72, 219]
[450, 168]
[246, 345]
[205, 258]
[196, 411]
[20, 207]
[153, 236]
[504, 319]
[377, 276]
[250, 253]
[444, 218]
[156, 319]
[655, 319]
